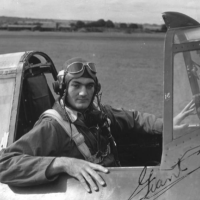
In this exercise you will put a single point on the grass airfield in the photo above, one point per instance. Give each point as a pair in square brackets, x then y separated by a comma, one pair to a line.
[130, 66]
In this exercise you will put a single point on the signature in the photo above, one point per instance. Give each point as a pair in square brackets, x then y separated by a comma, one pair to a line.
[153, 187]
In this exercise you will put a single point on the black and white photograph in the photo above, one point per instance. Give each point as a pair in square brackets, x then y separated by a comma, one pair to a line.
[99, 100]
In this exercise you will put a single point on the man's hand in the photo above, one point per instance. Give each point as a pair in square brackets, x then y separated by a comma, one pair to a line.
[188, 110]
[84, 171]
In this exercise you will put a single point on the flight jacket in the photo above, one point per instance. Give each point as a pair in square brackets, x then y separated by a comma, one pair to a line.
[25, 162]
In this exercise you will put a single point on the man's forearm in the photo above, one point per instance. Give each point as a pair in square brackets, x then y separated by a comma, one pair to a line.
[11, 172]
[56, 167]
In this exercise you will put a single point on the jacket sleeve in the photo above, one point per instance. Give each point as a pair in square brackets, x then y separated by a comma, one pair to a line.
[132, 121]
[25, 162]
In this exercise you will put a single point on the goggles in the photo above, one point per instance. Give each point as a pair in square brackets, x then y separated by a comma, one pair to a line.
[77, 67]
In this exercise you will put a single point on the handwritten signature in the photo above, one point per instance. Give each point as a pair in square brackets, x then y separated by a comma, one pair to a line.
[153, 187]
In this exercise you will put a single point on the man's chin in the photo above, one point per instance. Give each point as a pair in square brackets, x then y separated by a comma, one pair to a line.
[81, 107]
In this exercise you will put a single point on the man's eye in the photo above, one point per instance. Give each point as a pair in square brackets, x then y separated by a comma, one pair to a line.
[90, 86]
[75, 85]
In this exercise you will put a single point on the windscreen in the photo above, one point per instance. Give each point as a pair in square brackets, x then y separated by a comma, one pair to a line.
[6, 99]
[186, 91]
[190, 35]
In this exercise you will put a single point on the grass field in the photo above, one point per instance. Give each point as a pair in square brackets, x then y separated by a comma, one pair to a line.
[130, 66]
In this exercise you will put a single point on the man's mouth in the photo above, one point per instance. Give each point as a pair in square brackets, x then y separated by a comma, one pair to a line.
[82, 100]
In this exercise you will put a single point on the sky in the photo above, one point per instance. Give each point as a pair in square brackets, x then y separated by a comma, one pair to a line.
[129, 11]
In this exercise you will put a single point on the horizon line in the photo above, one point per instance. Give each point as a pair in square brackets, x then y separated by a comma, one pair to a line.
[78, 20]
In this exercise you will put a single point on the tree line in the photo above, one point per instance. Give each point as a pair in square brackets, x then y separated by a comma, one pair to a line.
[101, 23]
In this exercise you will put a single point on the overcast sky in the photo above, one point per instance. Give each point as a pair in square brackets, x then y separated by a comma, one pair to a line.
[130, 11]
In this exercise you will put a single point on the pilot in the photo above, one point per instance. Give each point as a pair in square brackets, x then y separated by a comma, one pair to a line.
[87, 147]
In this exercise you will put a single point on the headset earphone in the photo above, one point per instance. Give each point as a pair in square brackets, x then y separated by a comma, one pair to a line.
[57, 89]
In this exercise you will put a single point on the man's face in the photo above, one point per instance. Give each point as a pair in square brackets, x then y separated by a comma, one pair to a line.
[80, 93]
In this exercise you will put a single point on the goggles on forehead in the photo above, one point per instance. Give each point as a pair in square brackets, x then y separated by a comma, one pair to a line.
[77, 67]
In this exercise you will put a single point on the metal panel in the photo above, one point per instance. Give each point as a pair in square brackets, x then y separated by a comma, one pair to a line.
[16, 101]
[7, 86]
[177, 20]
[168, 89]
[11, 67]
[10, 61]
[186, 47]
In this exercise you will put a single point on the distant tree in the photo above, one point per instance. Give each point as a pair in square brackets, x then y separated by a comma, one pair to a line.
[123, 25]
[57, 25]
[140, 26]
[133, 26]
[72, 24]
[80, 24]
[100, 23]
[90, 24]
[163, 28]
[109, 24]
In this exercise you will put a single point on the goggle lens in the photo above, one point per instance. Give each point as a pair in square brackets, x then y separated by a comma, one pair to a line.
[92, 67]
[78, 67]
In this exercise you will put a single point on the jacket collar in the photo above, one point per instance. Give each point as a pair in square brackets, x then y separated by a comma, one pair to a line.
[72, 114]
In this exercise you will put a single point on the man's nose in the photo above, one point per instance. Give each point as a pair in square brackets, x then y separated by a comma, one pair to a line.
[83, 91]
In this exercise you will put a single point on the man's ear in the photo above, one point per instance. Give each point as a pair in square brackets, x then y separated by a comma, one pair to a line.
[98, 88]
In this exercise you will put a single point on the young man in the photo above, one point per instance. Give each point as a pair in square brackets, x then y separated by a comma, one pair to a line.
[47, 150]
